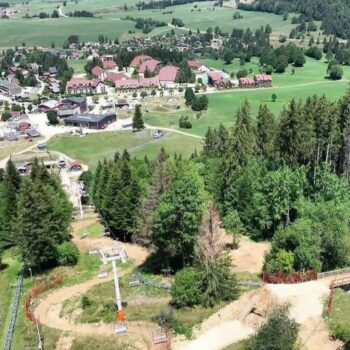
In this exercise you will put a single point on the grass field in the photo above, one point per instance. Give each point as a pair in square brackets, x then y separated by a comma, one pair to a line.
[305, 82]
[108, 13]
[91, 148]
[340, 317]
[93, 230]
[77, 65]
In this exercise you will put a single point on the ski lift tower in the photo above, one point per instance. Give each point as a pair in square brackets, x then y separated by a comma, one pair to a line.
[112, 255]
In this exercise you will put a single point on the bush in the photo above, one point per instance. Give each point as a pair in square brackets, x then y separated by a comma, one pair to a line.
[184, 291]
[68, 254]
[279, 330]
[52, 117]
[85, 302]
[184, 123]
[336, 72]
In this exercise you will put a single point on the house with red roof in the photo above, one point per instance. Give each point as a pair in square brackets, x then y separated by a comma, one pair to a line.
[197, 66]
[263, 80]
[106, 58]
[246, 82]
[98, 73]
[85, 86]
[129, 84]
[113, 76]
[218, 80]
[167, 75]
[138, 60]
[109, 65]
[151, 65]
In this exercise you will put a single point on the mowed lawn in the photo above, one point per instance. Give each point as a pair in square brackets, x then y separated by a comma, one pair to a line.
[223, 105]
[94, 147]
[43, 32]
[109, 21]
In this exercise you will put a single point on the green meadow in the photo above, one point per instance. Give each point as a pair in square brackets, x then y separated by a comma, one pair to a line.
[305, 82]
[109, 21]
[94, 147]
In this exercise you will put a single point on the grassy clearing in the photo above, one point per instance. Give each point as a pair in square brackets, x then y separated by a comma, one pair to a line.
[43, 32]
[104, 343]
[102, 302]
[93, 147]
[77, 65]
[9, 147]
[305, 82]
[94, 230]
[339, 321]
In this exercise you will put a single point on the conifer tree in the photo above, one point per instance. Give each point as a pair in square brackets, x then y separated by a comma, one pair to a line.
[265, 132]
[11, 186]
[36, 225]
[243, 140]
[161, 178]
[137, 121]
[288, 133]
[178, 215]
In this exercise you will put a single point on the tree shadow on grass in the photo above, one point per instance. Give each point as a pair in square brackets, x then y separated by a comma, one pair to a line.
[3, 266]
[161, 263]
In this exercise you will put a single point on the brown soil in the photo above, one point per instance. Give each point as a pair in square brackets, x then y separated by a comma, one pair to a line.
[249, 257]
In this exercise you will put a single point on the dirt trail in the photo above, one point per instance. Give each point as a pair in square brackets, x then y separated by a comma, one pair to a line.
[49, 309]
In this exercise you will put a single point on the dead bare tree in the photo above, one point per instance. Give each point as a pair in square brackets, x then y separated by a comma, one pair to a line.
[210, 241]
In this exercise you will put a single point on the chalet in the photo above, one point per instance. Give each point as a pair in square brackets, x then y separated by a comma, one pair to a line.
[218, 80]
[109, 65]
[76, 102]
[197, 66]
[106, 58]
[114, 76]
[98, 73]
[47, 106]
[151, 65]
[263, 80]
[71, 106]
[246, 82]
[216, 43]
[138, 60]
[85, 86]
[127, 84]
[9, 89]
[167, 75]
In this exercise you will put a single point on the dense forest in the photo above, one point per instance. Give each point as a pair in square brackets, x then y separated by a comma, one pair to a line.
[334, 14]
[35, 216]
[283, 179]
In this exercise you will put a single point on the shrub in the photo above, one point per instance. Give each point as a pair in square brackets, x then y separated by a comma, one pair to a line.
[184, 123]
[336, 72]
[68, 254]
[279, 330]
[85, 302]
[184, 291]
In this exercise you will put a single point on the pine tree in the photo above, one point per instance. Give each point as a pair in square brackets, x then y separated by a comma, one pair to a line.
[288, 133]
[137, 121]
[161, 178]
[243, 139]
[36, 225]
[11, 186]
[178, 215]
[189, 96]
[265, 132]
